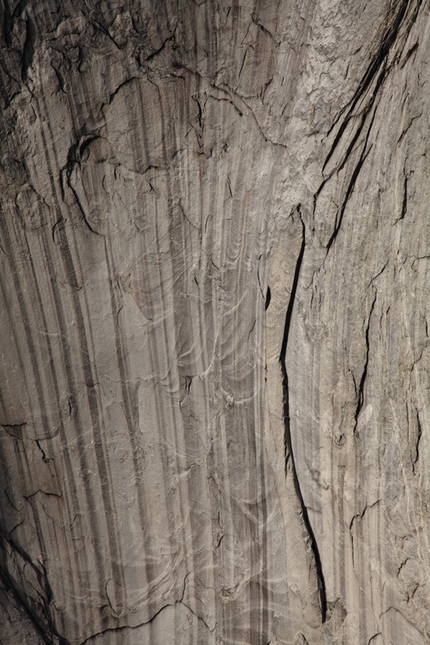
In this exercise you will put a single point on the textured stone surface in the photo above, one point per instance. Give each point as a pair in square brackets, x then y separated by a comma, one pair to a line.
[214, 257]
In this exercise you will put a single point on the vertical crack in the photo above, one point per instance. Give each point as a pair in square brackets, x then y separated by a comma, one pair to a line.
[44, 457]
[268, 298]
[405, 198]
[417, 443]
[28, 51]
[74, 159]
[360, 393]
[289, 454]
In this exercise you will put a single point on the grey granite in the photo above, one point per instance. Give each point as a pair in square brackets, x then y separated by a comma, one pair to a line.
[214, 374]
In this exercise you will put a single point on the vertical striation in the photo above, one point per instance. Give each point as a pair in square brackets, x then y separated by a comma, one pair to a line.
[214, 257]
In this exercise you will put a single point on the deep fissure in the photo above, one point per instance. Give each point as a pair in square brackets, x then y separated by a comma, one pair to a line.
[289, 453]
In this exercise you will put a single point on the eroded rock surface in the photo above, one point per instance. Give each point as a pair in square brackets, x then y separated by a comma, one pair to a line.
[214, 257]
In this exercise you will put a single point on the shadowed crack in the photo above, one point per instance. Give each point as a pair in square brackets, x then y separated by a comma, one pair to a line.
[38, 612]
[119, 88]
[289, 454]
[28, 51]
[363, 156]
[160, 49]
[74, 159]
[417, 443]
[124, 628]
[375, 75]
[405, 198]
[349, 191]
[355, 518]
[14, 429]
[362, 104]
[360, 394]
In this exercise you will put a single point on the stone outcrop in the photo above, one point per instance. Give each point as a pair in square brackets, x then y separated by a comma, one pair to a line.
[214, 302]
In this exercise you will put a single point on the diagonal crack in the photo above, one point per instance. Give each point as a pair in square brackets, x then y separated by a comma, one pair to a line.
[375, 74]
[348, 193]
[38, 613]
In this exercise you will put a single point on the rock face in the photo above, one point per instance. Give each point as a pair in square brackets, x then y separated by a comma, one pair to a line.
[214, 261]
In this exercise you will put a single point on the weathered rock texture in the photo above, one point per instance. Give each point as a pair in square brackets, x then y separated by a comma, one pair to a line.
[215, 257]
